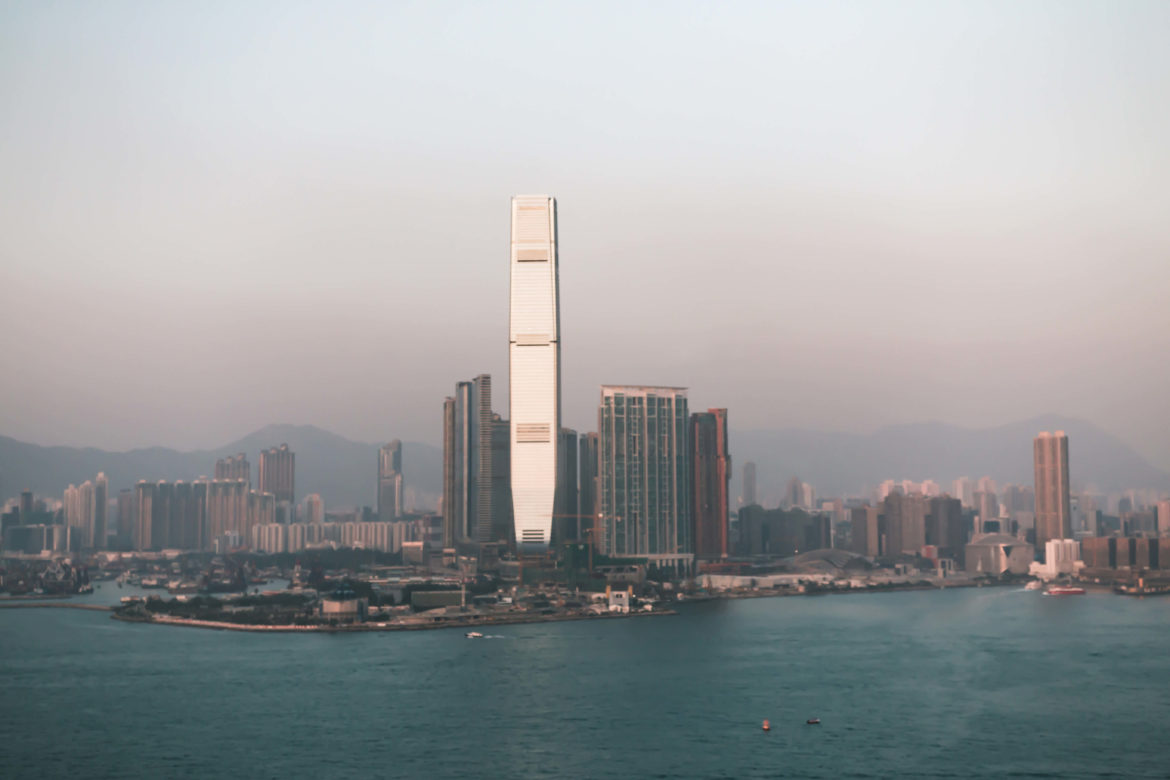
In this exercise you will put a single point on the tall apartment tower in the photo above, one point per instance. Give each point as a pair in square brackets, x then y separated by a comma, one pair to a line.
[587, 526]
[278, 467]
[711, 483]
[1053, 504]
[749, 483]
[234, 467]
[644, 471]
[467, 462]
[534, 365]
[390, 481]
[101, 499]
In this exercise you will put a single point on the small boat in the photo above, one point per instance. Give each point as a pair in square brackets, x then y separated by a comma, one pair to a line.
[767, 726]
[473, 635]
[1064, 590]
[813, 722]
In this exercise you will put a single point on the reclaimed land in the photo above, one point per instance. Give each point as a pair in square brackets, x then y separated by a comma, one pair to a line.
[36, 604]
[420, 625]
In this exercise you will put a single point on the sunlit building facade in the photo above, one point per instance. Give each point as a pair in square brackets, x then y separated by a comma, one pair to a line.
[534, 362]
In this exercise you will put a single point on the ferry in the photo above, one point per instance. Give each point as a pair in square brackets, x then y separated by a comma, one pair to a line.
[1064, 590]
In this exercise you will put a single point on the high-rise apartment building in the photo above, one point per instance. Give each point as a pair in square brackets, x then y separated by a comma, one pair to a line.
[534, 359]
[467, 462]
[314, 509]
[99, 528]
[1053, 504]
[234, 467]
[565, 520]
[749, 484]
[711, 483]
[1163, 514]
[278, 473]
[227, 508]
[644, 472]
[587, 463]
[390, 481]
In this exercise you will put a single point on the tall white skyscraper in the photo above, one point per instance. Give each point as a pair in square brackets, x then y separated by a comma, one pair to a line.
[534, 364]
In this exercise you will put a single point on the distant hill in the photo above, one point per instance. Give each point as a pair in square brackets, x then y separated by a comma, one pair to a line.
[836, 463]
[342, 471]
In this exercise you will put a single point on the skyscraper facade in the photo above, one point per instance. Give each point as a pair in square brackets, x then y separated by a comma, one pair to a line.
[749, 484]
[101, 497]
[1053, 503]
[644, 476]
[501, 481]
[711, 483]
[565, 514]
[467, 462]
[390, 481]
[587, 526]
[278, 473]
[534, 360]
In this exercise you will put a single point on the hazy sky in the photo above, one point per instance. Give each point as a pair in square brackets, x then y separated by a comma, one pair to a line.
[216, 216]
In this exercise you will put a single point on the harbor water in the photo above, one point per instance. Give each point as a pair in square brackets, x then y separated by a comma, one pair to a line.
[991, 682]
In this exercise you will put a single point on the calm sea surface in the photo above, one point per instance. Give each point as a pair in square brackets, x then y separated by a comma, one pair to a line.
[988, 682]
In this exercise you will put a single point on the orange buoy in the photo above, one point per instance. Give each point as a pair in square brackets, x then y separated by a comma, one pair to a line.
[767, 726]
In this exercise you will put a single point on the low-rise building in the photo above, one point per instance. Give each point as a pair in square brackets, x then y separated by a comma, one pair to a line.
[998, 554]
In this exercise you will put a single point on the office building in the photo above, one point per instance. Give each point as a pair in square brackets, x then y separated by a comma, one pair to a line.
[905, 523]
[390, 483]
[534, 359]
[1163, 510]
[644, 472]
[866, 539]
[964, 490]
[234, 467]
[748, 496]
[711, 483]
[587, 488]
[1053, 505]
[944, 527]
[794, 494]
[565, 520]
[278, 474]
[501, 481]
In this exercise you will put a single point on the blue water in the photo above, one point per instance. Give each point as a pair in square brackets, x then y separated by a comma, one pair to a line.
[968, 683]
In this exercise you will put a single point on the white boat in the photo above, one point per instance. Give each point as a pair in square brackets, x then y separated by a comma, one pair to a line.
[473, 635]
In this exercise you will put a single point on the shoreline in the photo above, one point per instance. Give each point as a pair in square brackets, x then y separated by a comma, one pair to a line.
[459, 622]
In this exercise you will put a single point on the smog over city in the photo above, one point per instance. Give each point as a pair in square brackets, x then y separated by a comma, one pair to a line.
[584, 324]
